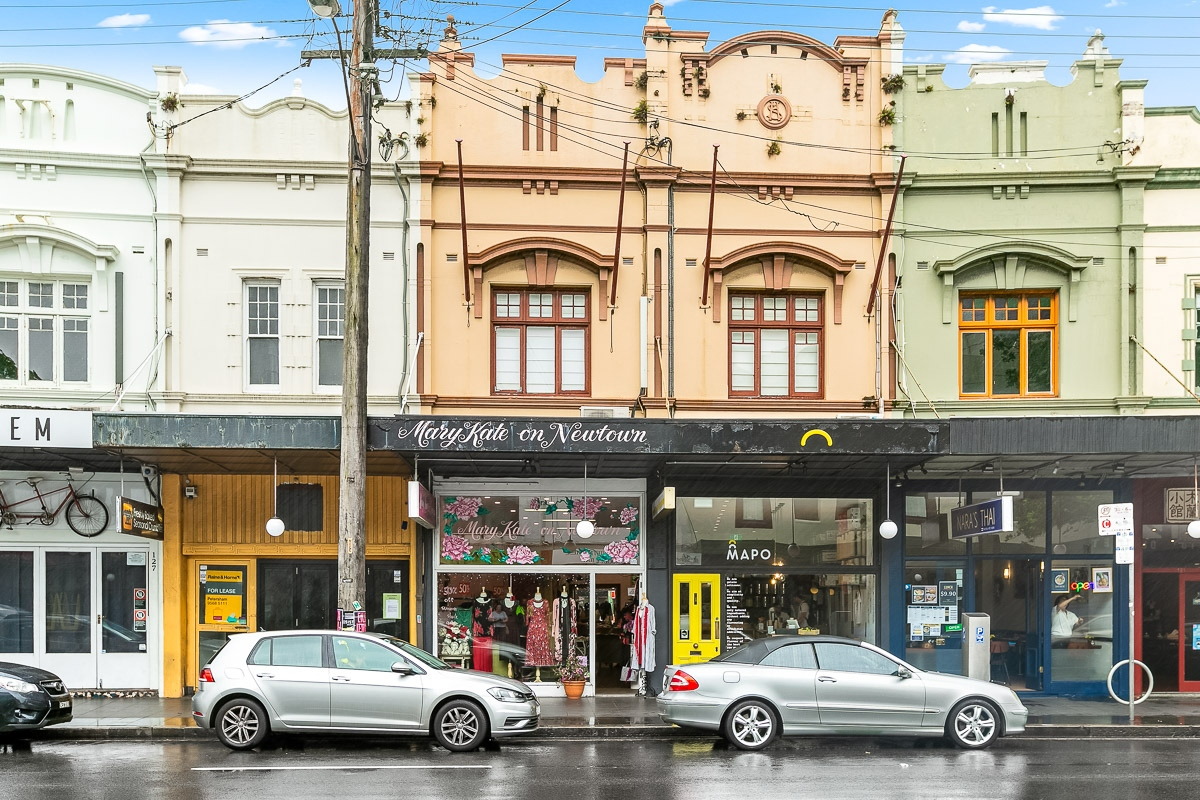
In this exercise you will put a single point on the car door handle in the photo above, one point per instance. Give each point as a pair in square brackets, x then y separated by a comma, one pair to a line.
[341, 678]
[265, 674]
[827, 679]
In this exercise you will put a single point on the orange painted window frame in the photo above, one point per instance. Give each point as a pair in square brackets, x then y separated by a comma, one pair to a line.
[989, 324]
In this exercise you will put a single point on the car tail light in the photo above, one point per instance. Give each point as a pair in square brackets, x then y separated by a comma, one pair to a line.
[682, 682]
[206, 675]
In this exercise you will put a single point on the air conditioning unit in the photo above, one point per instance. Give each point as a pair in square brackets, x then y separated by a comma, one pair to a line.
[604, 412]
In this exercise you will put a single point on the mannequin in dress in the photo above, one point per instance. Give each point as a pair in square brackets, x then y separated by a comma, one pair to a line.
[563, 625]
[641, 651]
[538, 651]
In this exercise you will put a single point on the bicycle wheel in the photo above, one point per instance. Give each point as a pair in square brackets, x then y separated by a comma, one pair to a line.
[86, 515]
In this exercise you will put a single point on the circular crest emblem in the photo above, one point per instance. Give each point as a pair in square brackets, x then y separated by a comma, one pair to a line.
[774, 111]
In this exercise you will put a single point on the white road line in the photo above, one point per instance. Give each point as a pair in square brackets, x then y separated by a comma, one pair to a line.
[343, 766]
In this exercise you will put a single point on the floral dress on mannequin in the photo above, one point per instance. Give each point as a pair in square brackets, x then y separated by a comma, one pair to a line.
[537, 634]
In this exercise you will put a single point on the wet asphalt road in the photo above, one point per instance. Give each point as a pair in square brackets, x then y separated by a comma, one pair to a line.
[693, 769]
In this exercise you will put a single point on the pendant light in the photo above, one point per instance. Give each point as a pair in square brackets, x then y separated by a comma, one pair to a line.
[275, 526]
[585, 527]
[887, 528]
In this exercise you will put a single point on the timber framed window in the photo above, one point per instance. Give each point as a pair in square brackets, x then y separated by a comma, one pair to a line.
[44, 331]
[262, 333]
[330, 328]
[775, 345]
[540, 341]
[1008, 344]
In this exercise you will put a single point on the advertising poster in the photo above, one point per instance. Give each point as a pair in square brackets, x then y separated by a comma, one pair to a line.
[223, 595]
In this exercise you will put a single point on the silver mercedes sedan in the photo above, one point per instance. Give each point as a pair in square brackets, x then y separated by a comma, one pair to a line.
[806, 685]
[315, 682]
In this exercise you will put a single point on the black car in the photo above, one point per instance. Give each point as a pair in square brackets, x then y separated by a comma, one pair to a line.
[31, 698]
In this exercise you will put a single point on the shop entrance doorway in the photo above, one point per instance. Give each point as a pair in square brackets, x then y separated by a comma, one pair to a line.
[1010, 592]
[85, 615]
[1171, 629]
[297, 594]
[696, 630]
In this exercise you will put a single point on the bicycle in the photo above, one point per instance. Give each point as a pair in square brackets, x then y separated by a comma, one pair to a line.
[86, 514]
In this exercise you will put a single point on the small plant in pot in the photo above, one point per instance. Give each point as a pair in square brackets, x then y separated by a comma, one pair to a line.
[574, 673]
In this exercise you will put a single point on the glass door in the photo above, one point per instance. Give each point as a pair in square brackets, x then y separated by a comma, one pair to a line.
[68, 618]
[697, 624]
[123, 660]
[296, 594]
[1010, 592]
[1189, 633]
[223, 606]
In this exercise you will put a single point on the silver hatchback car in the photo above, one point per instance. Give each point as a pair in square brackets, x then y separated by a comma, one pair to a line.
[340, 682]
[812, 685]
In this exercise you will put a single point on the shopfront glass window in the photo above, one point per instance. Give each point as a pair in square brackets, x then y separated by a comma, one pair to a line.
[523, 530]
[1074, 523]
[16, 601]
[517, 625]
[1080, 621]
[927, 524]
[770, 532]
[763, 604]
[933, 597]
[1029, 525]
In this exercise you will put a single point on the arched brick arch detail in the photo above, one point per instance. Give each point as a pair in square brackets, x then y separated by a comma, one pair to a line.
[541, 257]
[776, 260]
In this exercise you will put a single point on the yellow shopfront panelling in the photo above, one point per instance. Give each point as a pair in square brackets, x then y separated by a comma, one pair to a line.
[222, 526]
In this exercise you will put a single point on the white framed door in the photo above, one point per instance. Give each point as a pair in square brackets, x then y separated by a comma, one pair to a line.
[85, 614]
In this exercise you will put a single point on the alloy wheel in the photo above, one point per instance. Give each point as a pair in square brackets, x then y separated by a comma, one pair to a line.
[974, 725]
[460, 726]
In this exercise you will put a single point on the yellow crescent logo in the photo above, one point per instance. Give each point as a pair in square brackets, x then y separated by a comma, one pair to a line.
[816, 432]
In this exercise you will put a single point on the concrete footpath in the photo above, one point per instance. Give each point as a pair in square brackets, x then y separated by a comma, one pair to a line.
[627, 716]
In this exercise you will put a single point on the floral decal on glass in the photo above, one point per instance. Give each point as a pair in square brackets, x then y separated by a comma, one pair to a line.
[520, 554]
[517, 530]
[625, 552]
[455, 548]
[464, 507]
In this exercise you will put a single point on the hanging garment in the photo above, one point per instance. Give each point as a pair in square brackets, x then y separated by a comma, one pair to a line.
[481, 653]
[641, 652]
[537, 634]
[481, 622]
[563, 626]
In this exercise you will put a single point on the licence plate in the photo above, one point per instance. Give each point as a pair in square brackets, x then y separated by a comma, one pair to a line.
[64, 703]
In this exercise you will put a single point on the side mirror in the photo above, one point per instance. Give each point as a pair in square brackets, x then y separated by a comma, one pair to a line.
[401, 668]
[902, 672]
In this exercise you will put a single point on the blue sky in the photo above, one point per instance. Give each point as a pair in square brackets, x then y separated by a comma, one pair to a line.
[236, 46]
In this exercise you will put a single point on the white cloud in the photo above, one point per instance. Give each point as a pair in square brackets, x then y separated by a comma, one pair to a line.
[971, 27]
[124, 21]
[1113, 3]
[226, 34]
[977, 53]
[1043, 18]
[670, 2]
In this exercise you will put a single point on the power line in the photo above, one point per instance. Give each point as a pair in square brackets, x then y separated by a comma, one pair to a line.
[696, 178]
[1078, 151]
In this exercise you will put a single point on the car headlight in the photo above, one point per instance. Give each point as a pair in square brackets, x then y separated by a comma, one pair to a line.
[506, 695]
[17, 685]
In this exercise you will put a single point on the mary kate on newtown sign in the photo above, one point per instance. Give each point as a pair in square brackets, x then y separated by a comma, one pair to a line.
[533, 435]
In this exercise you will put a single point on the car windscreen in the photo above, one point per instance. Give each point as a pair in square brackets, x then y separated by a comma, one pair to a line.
[749, 653]
[416, 653]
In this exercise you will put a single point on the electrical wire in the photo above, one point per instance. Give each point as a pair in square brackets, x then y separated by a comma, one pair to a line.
[231, 103]
[695, 178]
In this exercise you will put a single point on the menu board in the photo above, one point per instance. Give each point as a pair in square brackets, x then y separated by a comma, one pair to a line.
[737, 617]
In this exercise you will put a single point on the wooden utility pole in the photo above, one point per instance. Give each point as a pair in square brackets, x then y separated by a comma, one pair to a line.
[352, 487]
[362, 82]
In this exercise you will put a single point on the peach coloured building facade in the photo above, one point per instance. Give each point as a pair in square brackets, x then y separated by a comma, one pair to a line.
[538, 313]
